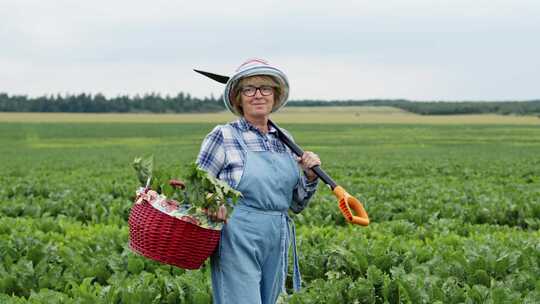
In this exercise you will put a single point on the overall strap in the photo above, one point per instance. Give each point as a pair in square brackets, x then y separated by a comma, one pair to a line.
[290, 231]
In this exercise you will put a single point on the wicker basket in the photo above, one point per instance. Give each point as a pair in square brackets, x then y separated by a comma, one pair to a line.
[169, 240]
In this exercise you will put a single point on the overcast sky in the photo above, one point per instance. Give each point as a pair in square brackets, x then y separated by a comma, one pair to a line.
[413, 49]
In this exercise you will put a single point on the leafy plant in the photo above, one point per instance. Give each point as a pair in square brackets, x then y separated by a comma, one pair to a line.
[158, 180]
[207, 192]
[203, 191]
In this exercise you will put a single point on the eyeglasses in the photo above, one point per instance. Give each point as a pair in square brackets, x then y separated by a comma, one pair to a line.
[250, 91]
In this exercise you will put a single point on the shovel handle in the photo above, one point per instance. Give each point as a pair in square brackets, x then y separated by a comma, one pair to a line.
[298, 151]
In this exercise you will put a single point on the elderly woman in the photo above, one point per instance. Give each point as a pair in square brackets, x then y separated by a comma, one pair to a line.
[250, 265]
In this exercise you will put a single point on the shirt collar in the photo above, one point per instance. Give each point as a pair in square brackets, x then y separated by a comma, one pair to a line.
[245, 126]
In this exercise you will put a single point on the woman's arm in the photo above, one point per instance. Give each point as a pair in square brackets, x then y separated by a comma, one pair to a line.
[211, 157]
[303, 192]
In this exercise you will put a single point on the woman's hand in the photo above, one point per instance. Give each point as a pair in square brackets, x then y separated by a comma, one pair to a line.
[220, 215]
[308, 161]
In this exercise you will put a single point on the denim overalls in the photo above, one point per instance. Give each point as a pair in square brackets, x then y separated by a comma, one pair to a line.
[250, 265]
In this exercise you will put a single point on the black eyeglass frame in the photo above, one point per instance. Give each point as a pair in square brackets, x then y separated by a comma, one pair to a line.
[260, 89]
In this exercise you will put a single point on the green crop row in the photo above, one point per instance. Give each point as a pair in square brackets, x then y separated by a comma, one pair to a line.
[47, 256]
[43, 258]
[442, 262]
[502, 195]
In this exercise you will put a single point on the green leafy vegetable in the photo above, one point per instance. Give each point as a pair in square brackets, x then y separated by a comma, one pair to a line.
[144, 168]
[203, 191]
[159, 180]
[207, 192]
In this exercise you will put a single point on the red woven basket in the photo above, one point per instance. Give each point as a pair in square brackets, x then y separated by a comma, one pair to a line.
[169, 240]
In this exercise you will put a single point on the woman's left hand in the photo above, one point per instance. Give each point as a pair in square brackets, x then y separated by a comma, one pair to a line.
[308, 161]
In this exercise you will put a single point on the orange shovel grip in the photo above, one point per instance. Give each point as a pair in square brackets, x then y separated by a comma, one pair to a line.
[346, 202]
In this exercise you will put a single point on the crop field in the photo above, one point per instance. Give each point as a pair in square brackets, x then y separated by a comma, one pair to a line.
[333, 115]
[454, 204]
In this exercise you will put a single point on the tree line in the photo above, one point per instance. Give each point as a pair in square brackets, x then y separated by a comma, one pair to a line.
[98, 103]
[531, 107]
[185, 103]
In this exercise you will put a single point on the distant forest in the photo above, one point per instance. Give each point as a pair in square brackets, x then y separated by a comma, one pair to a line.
[185, 103]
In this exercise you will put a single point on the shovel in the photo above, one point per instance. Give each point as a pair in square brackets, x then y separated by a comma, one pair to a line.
[347, 204]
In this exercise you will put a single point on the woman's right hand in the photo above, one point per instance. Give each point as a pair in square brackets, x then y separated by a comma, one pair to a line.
[220, 215]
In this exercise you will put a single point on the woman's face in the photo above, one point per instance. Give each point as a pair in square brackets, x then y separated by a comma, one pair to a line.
[258, 105]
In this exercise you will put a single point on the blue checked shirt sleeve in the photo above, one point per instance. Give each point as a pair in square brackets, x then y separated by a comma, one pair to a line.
[304, 189]
[212, 154]
[302, 193]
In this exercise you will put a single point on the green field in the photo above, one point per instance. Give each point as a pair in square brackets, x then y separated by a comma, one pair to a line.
[314, 115]
[455, 209]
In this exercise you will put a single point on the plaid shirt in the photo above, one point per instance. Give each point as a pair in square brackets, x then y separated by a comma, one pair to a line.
[222, 156]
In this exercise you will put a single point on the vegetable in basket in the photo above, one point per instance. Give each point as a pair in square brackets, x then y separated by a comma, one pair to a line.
[202, 191]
